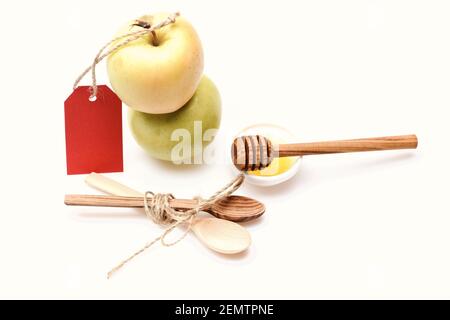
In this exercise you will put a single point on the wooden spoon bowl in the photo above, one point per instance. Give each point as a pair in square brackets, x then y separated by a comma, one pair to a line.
[244, 209]
[233, 208]
[222, 236]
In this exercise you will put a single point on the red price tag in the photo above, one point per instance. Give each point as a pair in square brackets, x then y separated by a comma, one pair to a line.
[93, 131]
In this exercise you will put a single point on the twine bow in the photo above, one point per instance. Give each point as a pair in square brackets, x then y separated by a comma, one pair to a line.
[158, 209]
[127, 38]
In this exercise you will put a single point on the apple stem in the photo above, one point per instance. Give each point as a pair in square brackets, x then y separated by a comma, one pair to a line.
[155, 40]
[147, 25]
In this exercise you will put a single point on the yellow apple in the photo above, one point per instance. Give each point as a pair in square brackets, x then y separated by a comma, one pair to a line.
[157, 74]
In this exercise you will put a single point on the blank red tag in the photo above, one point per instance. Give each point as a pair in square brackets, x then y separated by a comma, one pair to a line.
[93, 131]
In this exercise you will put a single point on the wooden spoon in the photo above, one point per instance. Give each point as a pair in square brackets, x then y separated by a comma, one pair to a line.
[219, 235]
[233, 208]
[257, 152]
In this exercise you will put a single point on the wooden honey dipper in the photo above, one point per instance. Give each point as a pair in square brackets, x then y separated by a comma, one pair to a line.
[257, 152]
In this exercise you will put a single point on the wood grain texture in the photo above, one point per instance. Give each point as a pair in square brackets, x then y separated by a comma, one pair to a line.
[343, 146]
[238, 154]
[255, 145]
[265, 149]
[233, 208]
[245, 209]
[251, 152]
[257, 152]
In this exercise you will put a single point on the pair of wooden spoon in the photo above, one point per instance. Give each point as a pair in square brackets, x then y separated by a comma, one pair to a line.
[223, 236]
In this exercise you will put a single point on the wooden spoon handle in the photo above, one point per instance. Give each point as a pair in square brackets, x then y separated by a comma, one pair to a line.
[341, 146]
[110, 186]
[118, 201]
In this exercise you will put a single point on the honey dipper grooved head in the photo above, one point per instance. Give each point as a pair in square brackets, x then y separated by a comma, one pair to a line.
[251, 153]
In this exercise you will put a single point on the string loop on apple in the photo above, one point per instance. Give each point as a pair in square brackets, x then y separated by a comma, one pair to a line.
[127, 38]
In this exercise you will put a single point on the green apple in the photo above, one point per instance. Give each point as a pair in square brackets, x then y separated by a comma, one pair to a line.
[157, 74]
[162, 135]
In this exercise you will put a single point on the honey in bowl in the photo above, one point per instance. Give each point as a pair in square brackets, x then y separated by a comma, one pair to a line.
[280, 169]
[277, 166]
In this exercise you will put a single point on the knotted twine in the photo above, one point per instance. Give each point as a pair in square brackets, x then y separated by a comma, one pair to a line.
[157, 208]
[127, 38]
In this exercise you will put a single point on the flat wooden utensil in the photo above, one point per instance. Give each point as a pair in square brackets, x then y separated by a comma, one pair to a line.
[233, 208]
[257, 152]
[110, 186]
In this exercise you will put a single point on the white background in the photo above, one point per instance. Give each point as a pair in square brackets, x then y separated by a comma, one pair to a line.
[347, 226]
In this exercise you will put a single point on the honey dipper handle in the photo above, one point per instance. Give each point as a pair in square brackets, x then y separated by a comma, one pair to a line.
[341, 146]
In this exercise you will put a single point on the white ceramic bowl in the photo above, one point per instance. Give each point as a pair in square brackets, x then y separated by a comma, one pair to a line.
[276, 133]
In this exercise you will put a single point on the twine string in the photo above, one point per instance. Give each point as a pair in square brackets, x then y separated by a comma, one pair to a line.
[126, 39]
[157, 208]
